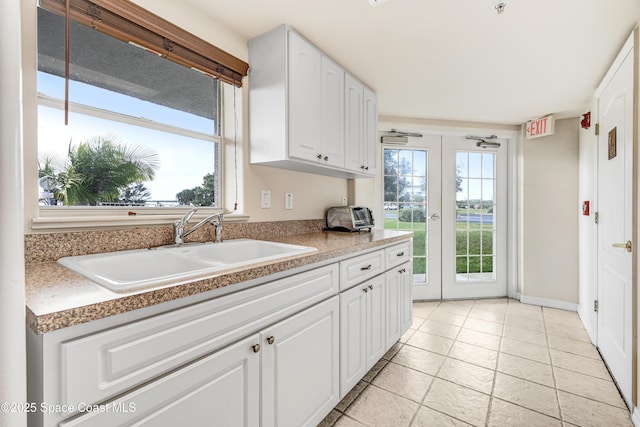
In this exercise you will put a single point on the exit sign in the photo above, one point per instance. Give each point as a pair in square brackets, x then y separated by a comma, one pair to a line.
[540, 127]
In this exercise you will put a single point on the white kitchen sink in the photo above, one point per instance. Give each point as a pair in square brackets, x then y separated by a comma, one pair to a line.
[129, 270]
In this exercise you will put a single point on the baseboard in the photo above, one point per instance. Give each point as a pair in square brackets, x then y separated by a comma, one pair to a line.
[584, 314]
[552, 303]
[635, 417]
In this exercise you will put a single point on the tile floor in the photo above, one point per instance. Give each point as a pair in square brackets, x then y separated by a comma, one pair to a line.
[486, 363]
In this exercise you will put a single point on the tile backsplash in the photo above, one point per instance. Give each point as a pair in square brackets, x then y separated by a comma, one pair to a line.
[52, 246]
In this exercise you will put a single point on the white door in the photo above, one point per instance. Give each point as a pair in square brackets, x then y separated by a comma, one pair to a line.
[412, 201]
[474, 218]
[615, 174]
[453, 195]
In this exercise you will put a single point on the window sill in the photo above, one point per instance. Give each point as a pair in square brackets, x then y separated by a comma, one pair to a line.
[74, 221]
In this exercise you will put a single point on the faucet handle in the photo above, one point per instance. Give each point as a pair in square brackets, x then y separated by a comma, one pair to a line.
[185, 219]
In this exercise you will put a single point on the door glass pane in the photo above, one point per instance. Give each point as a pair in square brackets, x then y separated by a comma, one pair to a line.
[475, 207]
[406, 201]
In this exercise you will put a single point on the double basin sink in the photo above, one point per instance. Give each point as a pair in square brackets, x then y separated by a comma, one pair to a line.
[130, 270]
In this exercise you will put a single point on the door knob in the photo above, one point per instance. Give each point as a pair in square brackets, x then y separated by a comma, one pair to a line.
[434, 217]
[628, 246]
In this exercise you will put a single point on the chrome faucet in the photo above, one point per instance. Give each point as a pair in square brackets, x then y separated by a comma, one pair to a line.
[179, 226]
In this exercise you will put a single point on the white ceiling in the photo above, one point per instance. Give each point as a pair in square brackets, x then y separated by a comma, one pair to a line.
[456, 59]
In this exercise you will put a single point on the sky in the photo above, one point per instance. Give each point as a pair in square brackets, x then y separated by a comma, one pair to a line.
[183, 160]
[477, 171]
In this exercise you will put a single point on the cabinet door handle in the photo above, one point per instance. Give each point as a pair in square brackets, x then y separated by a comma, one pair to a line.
[368, 267]
[326, 158]
[365, 290]
[366, 168]
[371, 287]
[255, 348]
[319, 156]
[271, 339]
[400, 254]
[402, 270]
[362, 167]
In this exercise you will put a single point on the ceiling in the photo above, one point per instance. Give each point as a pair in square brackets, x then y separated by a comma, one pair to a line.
[456, 59]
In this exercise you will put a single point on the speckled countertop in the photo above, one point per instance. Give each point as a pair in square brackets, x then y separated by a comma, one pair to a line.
[57, 297]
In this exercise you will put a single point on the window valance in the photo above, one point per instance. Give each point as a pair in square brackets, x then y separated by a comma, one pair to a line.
[131, 23]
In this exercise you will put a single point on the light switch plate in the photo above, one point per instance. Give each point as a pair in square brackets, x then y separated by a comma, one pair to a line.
[288, 200]
[265, 201]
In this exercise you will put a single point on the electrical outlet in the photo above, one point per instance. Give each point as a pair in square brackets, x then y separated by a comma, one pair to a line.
[288, 200]
[344, 201]
[265, 201]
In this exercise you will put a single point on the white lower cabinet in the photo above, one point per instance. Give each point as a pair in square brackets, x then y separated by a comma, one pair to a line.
[399, 302]
[287, 375]
[279, 354]
[300, 367]
[362, 330]
[220, 389]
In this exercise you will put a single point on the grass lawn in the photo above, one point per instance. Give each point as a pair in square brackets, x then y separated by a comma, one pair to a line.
[470, 238]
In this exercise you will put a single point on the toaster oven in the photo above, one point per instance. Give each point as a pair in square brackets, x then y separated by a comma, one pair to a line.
[349, 218]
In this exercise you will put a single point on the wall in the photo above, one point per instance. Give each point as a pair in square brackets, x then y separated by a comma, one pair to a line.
[12, 301]
[587, 232]
[312, 193]
[550, 217]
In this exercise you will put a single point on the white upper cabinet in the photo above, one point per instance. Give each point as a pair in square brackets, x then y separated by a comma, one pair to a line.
[370, 145]
[361, 111]
[332, 113]
[305, 99]
[354, 129]
[299, 109]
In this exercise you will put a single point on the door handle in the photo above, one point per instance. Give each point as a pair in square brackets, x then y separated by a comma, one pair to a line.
[434, 217]
[628, 246]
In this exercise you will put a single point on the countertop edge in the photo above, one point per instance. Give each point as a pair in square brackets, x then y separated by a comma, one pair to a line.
[122, 303]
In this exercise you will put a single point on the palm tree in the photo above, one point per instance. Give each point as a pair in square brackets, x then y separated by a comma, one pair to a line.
[99, 169]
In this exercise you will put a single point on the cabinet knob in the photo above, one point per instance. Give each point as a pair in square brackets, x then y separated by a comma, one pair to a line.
[366, 168]
[365, 290]
[371, 287]
[271, 339]
[326, 158]
[362, 167]
[319, 156]
[402, 270]
[368, 267]
[255, 348]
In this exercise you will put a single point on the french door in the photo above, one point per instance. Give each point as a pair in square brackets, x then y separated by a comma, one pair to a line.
[452, 195]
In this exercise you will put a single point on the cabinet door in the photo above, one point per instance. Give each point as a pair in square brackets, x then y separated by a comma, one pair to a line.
[406, 299]
[376, 319]
[332, 113]
[399, 302]
[371, 147]
[353, 337]
[221, 389]
[394, 292]
[300, 370]
[305, 94]
[353, 124]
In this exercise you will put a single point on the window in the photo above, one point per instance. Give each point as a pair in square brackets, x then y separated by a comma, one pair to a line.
[405, 201]
[143, 130]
